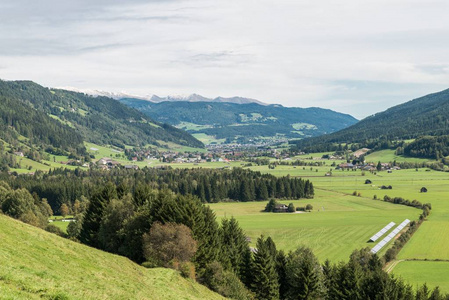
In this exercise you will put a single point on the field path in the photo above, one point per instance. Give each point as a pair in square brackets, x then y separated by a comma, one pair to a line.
[390, 266]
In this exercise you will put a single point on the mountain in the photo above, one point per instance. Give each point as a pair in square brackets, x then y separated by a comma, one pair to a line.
[157, 99]
[243, 122]
[428, 115]
[39, 265]
[199, 98]
[64, 119]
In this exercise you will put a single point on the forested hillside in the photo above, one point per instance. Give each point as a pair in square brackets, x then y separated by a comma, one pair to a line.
[428, 115]
[18, 118]
[100, 120]
[230, 121]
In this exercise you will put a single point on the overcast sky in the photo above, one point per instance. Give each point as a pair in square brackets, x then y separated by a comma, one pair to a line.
[357, 57]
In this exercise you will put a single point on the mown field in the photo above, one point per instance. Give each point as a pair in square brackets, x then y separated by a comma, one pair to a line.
[36, 264]
[347, 221]
[433, 273]
[337, 225]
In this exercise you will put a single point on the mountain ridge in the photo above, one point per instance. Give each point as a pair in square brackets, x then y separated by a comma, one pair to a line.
[156, 99]
[244, 122]
[426, 115]
[101, 120]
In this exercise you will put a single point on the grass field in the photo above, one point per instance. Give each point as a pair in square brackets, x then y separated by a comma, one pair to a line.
[207, 139]
[389, 156]
[38, 265]
[338, 224]
[347, 220]
[433, 273]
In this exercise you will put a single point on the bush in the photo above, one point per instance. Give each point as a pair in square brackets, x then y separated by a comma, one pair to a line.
[291, 207]
[309, 207]
[224, 282]
[169, 244]
[187, 270]
[354, 193]
[55, 229]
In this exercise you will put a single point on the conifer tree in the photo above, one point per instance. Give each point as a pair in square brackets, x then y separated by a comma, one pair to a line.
[94, 214]
[265, 283]
[303, 275]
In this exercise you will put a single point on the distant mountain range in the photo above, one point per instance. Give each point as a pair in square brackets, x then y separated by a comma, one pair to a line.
[170, 98]
[428, 115]
[221, 121]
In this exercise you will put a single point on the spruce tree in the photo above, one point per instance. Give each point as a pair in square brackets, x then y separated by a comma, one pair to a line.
[304, 275]
[94, 214]
[265, 283]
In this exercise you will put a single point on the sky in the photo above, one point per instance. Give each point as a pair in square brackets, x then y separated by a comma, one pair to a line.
[356, 57]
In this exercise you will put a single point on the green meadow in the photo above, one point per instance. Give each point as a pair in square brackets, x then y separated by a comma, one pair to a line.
[36, 264]
[433, 273]
[347, 221]
[338, 224]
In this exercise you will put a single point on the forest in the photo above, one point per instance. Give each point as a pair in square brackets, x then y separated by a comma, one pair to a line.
[61, 186]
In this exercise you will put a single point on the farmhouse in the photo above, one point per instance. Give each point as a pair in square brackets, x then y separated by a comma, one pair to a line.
[131, 167]
[345, 166]
[279, 207]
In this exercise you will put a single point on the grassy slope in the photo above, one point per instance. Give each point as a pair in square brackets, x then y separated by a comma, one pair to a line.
[36, 264]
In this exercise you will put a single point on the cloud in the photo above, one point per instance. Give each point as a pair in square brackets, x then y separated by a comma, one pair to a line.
[352, 56]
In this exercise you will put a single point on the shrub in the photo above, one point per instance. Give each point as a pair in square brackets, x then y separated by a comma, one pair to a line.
[55, 229]
[187, 270]
[224, 282]
[170, 244]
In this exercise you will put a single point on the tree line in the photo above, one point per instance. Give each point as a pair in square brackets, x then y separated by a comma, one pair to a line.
[60, 186]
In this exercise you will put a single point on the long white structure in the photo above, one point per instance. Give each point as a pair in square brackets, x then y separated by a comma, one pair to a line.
[382, 232]
[390, 236]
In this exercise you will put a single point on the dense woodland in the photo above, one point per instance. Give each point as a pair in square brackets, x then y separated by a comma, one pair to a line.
[28, 106]
[209, 185]
[427, 147]
[265, 120]
[428, 115]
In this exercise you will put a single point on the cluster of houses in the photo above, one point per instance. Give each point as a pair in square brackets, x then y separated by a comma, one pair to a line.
[107, 163]
[367, 167]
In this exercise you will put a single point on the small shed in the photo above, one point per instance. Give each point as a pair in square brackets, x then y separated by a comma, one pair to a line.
[368, 181]
[423, 190]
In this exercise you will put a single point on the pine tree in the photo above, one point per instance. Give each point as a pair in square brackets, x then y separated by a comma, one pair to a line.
[234, 246]
[94, 214]
[304, 275]
[265, 283]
